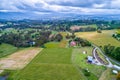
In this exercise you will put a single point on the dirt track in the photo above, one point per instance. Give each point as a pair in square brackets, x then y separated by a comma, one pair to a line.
[20, 59]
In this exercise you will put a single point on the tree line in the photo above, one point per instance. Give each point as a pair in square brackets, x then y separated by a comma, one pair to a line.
[28, 38]
[112, 51]
[79, 41]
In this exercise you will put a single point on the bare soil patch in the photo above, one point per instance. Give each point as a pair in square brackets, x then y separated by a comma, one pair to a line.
[20, 59]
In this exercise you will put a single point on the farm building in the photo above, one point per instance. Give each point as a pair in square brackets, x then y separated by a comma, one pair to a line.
[90, 59]
[73, 43]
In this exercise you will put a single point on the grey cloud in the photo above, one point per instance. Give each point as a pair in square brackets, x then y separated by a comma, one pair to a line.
[59, 6]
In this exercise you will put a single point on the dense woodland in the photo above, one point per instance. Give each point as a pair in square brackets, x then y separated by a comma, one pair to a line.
[112, 51]
[28, 38]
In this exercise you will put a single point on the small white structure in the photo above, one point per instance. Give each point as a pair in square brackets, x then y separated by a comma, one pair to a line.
[116, 67]
[115, 71]
[84, 52]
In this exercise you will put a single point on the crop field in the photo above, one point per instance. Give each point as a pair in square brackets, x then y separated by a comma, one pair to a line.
[100, 39]
[50, 64]
[80, 61]
[6, 49]
[19, 59]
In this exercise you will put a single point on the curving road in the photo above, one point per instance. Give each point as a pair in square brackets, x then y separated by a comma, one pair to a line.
[107, 58]
[96, 57]
[100, 62]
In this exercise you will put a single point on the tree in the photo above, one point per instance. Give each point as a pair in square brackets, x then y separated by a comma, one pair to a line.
[99, 31]
[58, 37]
[116, 53]
[118, 76]
[73, 35]
[108, 49]
[0, 42]
[67, 36]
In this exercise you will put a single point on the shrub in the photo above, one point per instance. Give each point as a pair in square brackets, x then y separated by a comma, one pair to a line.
[118, 76]
[86, 72]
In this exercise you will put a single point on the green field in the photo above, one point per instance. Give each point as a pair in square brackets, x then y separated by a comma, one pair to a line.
[50, 64]
[108, 75]
[61, 44]
[79, 59]
[52, 45]
[100, 39]
[6, 49]
[92, 26]
[118, 31]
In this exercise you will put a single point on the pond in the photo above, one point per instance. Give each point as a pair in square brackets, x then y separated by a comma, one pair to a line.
[3, 78]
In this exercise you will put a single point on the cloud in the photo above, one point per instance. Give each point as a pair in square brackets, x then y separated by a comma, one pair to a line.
[61, 6]
[115, 4]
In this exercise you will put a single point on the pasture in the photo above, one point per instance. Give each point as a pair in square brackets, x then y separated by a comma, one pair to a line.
[6, 49]
[100, 39]
[50, 64]
[61, 44]
[52, 45]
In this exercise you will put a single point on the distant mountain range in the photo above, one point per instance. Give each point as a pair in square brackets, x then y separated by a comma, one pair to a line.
[62, 16]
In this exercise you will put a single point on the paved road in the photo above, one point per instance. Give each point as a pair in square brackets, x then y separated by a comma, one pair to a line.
[107, 58]
[100, 62]
[96, 57]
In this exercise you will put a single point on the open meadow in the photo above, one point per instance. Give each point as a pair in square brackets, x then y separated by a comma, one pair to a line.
[100, 39]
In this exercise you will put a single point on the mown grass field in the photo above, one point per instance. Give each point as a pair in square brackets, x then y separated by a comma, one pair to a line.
[100, 39]
[52, 45]
[6, 49]
[50, 64]
[79, 59]
[61, 44]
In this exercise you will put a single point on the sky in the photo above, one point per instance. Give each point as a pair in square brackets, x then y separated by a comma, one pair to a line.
[61, 6]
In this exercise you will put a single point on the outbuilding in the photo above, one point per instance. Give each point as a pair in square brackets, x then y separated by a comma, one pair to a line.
[73, 43]
[115, 72]
[90, 59]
